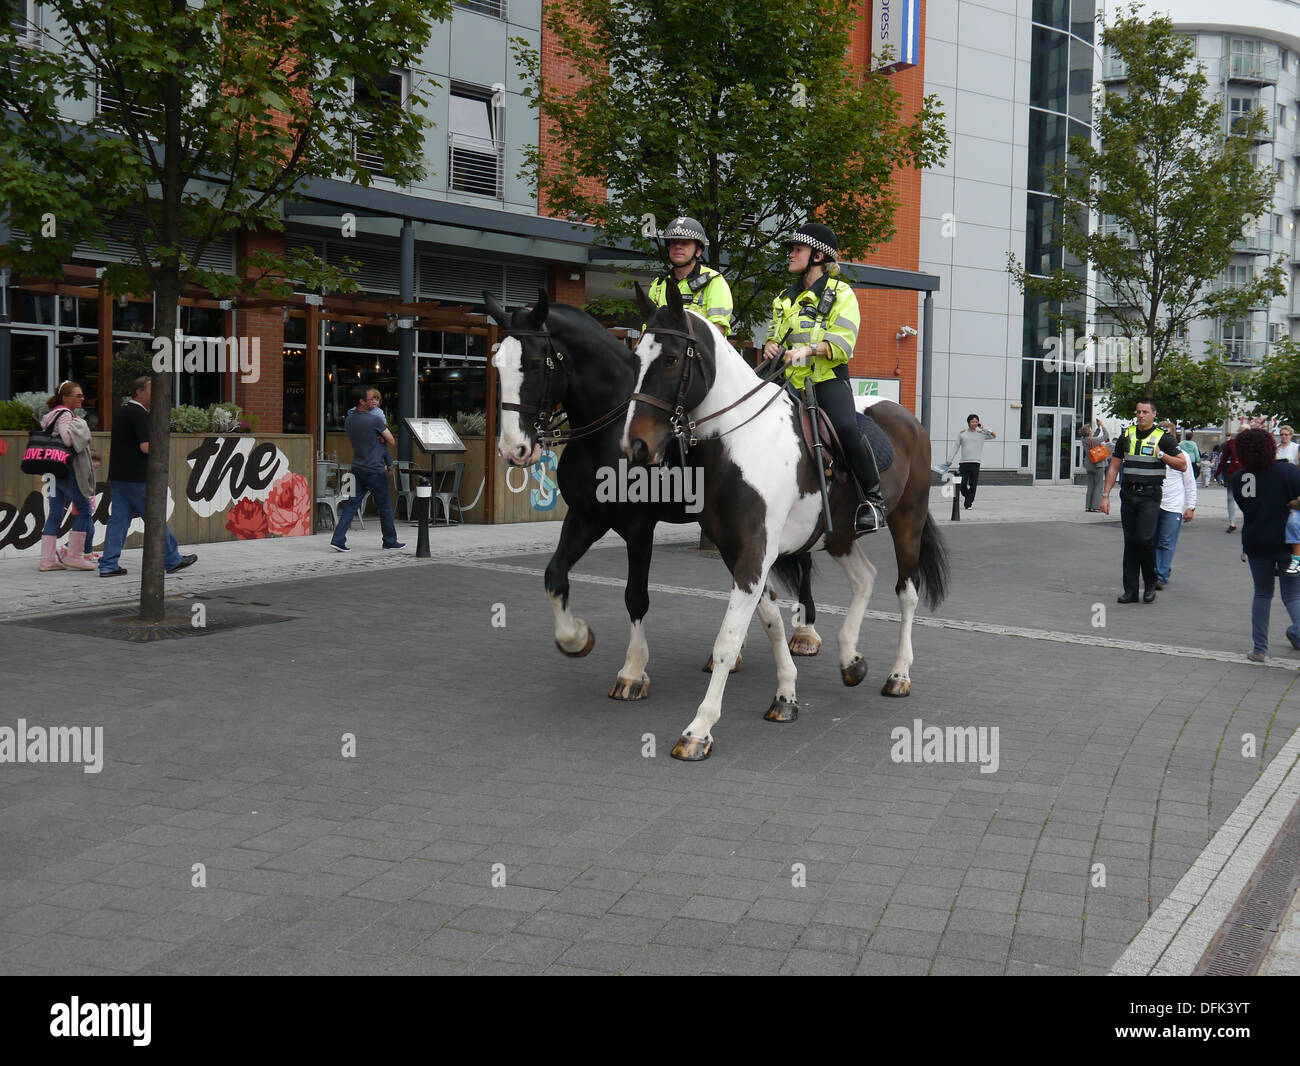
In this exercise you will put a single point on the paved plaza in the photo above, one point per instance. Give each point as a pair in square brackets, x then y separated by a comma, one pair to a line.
[385, 781]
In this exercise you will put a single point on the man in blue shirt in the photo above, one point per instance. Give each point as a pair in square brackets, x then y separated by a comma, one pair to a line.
[368, 432]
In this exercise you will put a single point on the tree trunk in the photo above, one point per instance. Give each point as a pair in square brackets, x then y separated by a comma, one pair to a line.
[153, 575]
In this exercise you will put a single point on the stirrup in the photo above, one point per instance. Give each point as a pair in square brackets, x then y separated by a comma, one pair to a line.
[868, 518]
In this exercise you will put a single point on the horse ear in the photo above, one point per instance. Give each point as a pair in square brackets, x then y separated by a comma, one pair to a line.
[541, 309]
[643, 303]
[495, 309]
[674, 302]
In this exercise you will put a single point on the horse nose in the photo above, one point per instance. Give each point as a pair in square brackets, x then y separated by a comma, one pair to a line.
[639, 453]
[521, 452]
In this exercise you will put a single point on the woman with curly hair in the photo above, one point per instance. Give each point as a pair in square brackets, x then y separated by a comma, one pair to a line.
[1264, 489]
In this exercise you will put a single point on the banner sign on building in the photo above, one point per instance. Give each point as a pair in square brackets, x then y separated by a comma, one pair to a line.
[896, 25]
[883, 388]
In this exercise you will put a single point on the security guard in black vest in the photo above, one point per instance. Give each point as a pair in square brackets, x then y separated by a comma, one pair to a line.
[1145, 451]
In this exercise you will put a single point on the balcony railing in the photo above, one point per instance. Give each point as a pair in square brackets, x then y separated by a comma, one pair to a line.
[476, 165]
[1113, 69]
[1254, 242]
[1242, 351]
[1246, 66]
[1237, 124]
[1113, 296]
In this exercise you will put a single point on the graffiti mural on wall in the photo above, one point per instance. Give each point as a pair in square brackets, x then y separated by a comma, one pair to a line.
[235, 487]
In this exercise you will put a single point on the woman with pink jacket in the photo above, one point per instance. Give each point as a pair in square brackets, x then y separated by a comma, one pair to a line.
[78, 488]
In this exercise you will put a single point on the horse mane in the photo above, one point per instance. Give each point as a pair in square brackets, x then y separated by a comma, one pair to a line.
[593, 333]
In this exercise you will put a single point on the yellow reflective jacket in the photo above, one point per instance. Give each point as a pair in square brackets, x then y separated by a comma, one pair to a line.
[795, 321]
[703, 290]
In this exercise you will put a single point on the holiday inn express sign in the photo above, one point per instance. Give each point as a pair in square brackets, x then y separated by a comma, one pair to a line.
[896, 25]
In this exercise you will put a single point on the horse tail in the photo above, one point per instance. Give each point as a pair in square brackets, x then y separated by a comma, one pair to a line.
[932, 570]
[792, 571]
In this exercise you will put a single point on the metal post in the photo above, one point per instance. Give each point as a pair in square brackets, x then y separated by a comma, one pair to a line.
[406, 382]
[423, 503]
[927, 357]
[956, 497]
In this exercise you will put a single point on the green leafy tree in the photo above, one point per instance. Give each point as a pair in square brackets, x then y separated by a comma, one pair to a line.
[1173, 190]
[1275, 387]
[207, 116]
[1190, 392]
[744, 114]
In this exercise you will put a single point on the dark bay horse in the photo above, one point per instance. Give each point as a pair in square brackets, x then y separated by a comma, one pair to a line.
[553, 354]
[762, 501]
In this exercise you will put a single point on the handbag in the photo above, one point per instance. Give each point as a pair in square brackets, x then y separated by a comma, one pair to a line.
[46, 453]
[1098, 454]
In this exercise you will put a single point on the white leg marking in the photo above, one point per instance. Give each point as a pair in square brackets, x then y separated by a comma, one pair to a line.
[740, 609]
[770, 615]
[638, 654]
[862, 579]
[907, 601]
[570, 632]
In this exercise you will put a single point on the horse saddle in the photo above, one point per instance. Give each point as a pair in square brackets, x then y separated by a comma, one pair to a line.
[832, 450]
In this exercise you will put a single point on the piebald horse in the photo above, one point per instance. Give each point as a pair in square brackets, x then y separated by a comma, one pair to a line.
[552, 355]
[762, 500]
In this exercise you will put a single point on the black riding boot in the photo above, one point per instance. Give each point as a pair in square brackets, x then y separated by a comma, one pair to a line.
[871, 516]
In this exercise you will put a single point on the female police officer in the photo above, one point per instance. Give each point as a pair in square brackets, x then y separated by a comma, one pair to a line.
[816, 320]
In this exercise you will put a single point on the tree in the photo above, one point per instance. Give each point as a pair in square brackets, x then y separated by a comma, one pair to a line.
[1172, 191]
[1190, 392]
[207, 117]
[1275, 387]
[742, 113]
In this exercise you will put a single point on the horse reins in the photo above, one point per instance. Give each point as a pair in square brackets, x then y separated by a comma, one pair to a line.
[544, 414]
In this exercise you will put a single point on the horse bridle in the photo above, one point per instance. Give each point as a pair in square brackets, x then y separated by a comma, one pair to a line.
[544, 414]
[680, 423]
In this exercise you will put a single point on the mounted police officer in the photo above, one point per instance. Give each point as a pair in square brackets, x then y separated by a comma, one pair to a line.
[703, 290]
[816, 321]
[1143, 450]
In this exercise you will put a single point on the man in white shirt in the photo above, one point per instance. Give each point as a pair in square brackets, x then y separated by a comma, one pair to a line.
[1177, 505]
[970, 443]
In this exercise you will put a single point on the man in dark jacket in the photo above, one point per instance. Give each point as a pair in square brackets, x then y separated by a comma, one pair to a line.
[1264, 489]
[128, 459]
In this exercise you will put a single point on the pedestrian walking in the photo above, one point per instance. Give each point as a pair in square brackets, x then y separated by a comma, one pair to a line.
[1177, 505]
[1143, 451]
[370, 437]
[970, 445]
[1229, 464]
[1288, 451]
[78, 488]
[1264, 488]
[1094, 436]
[128, 464]
[1189, 446]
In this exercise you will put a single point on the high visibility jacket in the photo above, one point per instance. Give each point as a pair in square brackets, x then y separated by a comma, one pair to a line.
[1142, 462]
[703, 290]
[795, 320]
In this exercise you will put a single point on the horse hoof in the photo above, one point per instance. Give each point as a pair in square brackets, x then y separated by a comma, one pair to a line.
[782, 710]
[854, 673]
[897, 686]
[692, 749]
[804, 645]
[591, 643]
[636, 689]
[708, 667]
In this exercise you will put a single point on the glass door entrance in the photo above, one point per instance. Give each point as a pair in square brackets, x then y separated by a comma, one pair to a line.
[1054, 446]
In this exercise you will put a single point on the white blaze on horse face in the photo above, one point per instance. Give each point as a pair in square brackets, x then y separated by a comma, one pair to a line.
[509, 361]
[647, 351]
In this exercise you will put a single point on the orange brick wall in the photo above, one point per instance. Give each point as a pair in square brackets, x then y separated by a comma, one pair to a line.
[264, 397]
[564, 289]
[558, 69]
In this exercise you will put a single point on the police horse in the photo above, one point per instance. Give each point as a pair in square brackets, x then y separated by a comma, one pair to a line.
[551, 355]
[763, 503]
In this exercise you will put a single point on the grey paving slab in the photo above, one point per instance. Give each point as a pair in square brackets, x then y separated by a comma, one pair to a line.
[479, 746]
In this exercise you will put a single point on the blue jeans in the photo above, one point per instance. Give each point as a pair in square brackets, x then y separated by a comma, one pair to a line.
[377, 486]
[66, 489]
[1293, 527]
[126, 501]
[1166, 541]
[1232, 507]
[1261, 570]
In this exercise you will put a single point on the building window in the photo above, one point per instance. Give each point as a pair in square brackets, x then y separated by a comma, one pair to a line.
[23, 16]
[387, 92]
[496, 9]
[474, 141]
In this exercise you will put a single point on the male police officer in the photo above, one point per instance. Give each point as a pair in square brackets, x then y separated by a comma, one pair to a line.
[703, 290]
[1144, 450]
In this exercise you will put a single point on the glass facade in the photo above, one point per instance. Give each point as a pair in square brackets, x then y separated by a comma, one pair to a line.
[1060, 106]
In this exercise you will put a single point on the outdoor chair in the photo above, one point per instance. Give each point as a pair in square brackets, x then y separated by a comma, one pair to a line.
[402, 490]
[452, 498]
